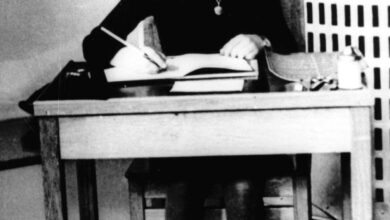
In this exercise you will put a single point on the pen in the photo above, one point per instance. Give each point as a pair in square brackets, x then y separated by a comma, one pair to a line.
[142, 53]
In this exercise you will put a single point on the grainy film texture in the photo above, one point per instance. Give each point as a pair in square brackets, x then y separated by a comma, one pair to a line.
[330, 25]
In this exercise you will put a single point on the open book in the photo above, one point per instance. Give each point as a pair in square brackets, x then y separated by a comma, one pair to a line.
[191, 67]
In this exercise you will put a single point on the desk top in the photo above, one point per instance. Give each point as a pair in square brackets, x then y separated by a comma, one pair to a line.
[204, 103]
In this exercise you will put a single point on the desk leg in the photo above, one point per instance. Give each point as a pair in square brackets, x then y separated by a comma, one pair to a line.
[361, 167]
[52, 170]
[302, 187]
[86, 181]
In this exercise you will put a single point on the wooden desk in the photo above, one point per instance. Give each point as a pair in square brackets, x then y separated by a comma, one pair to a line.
[202, 125]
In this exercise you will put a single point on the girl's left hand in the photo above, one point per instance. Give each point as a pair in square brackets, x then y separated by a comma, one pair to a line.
[245, 46]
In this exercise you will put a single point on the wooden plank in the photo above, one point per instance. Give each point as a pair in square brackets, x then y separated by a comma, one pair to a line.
[87, 194]
[346, 183]
[279, 213]
[219, 214]
[136, 198]
[196, 103]
[280, 201]
[326, 182]
[361, 166]
[17, 163]
[203, 134]
[277, 193]
[302, 187]
[72, 197]
[52, 170]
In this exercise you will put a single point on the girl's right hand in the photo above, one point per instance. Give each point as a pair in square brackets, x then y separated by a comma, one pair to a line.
[135, 61]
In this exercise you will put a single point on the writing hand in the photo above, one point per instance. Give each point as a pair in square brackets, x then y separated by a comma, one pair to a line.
[156, 57]
[130, 58]
[244, 46]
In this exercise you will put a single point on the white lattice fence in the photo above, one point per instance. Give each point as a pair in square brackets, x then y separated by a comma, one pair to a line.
[330, 25]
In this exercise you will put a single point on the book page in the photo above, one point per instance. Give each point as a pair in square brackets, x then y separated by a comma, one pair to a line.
[187, 63]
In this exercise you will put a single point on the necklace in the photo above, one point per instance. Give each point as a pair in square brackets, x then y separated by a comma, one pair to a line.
[218, 8]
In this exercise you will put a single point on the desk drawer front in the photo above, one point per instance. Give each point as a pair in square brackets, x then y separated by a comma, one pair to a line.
[206, 133]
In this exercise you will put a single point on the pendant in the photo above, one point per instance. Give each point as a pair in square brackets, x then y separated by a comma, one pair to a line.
[218, 10]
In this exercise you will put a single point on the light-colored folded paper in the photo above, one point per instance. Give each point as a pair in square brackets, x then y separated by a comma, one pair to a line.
[203, 86]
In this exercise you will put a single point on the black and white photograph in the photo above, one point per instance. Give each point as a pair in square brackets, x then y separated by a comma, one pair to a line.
[194, 110]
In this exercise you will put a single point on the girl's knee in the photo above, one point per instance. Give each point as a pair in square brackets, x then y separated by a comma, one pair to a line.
[241, 187]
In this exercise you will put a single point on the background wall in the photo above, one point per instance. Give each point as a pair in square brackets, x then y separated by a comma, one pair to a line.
[330, 26]
[21, 194]
[38, 37]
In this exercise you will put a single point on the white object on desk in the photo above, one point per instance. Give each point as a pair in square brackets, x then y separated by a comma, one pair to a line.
[350, 66]
[215, 85]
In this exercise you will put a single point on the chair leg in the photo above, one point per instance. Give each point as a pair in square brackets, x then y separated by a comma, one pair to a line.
[136, 198]
[86, 181]
[302, 187]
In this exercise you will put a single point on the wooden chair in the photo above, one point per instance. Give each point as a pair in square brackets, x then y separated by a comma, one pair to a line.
[286, 197]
